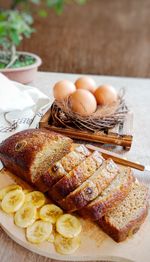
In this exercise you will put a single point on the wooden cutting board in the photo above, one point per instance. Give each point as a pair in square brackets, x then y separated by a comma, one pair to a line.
[95, 245]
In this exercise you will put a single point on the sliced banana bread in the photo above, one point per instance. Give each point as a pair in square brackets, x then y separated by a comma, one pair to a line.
[64, 165]
[125, 219]
[29, 153]
[91, 188]
[76, 177]
[111, 196]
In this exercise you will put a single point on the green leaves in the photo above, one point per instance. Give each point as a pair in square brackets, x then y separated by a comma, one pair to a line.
[14, 25]
[57, 5]
[42, 13]
[81, 2]
[36, 2]
[15, 37]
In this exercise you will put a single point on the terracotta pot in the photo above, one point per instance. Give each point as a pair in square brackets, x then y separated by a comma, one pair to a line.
[24, 74]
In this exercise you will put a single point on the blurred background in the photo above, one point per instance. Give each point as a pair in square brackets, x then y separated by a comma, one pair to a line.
[108, 37]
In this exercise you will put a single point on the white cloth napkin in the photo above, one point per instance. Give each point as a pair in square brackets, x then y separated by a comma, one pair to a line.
[21, 107]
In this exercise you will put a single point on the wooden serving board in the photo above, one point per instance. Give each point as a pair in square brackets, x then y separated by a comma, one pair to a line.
[121, 135]
[95, 245]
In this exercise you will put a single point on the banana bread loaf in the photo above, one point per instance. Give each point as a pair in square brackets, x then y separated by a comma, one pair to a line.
[91, 188]
[111, 196]
[29, 153]
[125, 219]
[76, 177]
[66, 164]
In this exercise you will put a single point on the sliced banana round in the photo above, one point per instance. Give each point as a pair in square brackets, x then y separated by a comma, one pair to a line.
[36, 198]
[25, 216]
[13, 201]
[7, 189]
[51, 238]
[66, 246]
[38, 232]
[50, 212]
[68, 226]
[27, 191]
[37, 213]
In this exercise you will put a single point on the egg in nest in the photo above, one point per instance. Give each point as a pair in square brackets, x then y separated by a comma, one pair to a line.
[63, 89]
[87, 83]
[83, 102]
[106, 95]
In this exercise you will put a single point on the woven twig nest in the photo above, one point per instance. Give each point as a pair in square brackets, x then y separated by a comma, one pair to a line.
[104, 118]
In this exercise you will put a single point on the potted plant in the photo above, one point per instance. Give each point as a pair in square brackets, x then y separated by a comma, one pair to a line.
[16, 23]
[18, 66]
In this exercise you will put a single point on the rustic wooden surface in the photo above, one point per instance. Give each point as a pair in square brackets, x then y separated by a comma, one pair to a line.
[138, 95]
[118, 135]
[101, 37]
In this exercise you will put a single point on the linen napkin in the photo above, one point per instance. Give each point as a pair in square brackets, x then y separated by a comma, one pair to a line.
[21, 107]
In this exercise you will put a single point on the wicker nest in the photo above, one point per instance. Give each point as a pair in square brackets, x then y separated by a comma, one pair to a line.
[104, 118]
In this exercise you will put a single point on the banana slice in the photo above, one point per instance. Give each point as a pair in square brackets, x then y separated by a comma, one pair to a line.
[25, 216]
[7, 189]
[36, 198]
[68, 226]
[38, 232]
[27, 191]
[13, 201]
[66, 246]
[50, 213]
[51, 238]
[38, 213]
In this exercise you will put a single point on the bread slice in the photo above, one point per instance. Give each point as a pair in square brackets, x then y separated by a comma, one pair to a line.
[76, 177]
[125, 219]
[29, 153]
[66, 164]
[91, 188]
[111, 196]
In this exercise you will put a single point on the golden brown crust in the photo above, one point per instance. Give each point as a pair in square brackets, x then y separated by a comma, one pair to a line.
[66, 164]
[96, 209]
[76, 177]
[91, 188]
[129, 229]
[18, 152]
[15, 169]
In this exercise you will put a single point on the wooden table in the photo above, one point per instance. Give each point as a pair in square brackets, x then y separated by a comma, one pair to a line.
[138, 97]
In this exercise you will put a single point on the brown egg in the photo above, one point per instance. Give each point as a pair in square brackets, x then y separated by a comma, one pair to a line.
[105, 95]
[83, 102]
[63, 89]
[87, 83]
